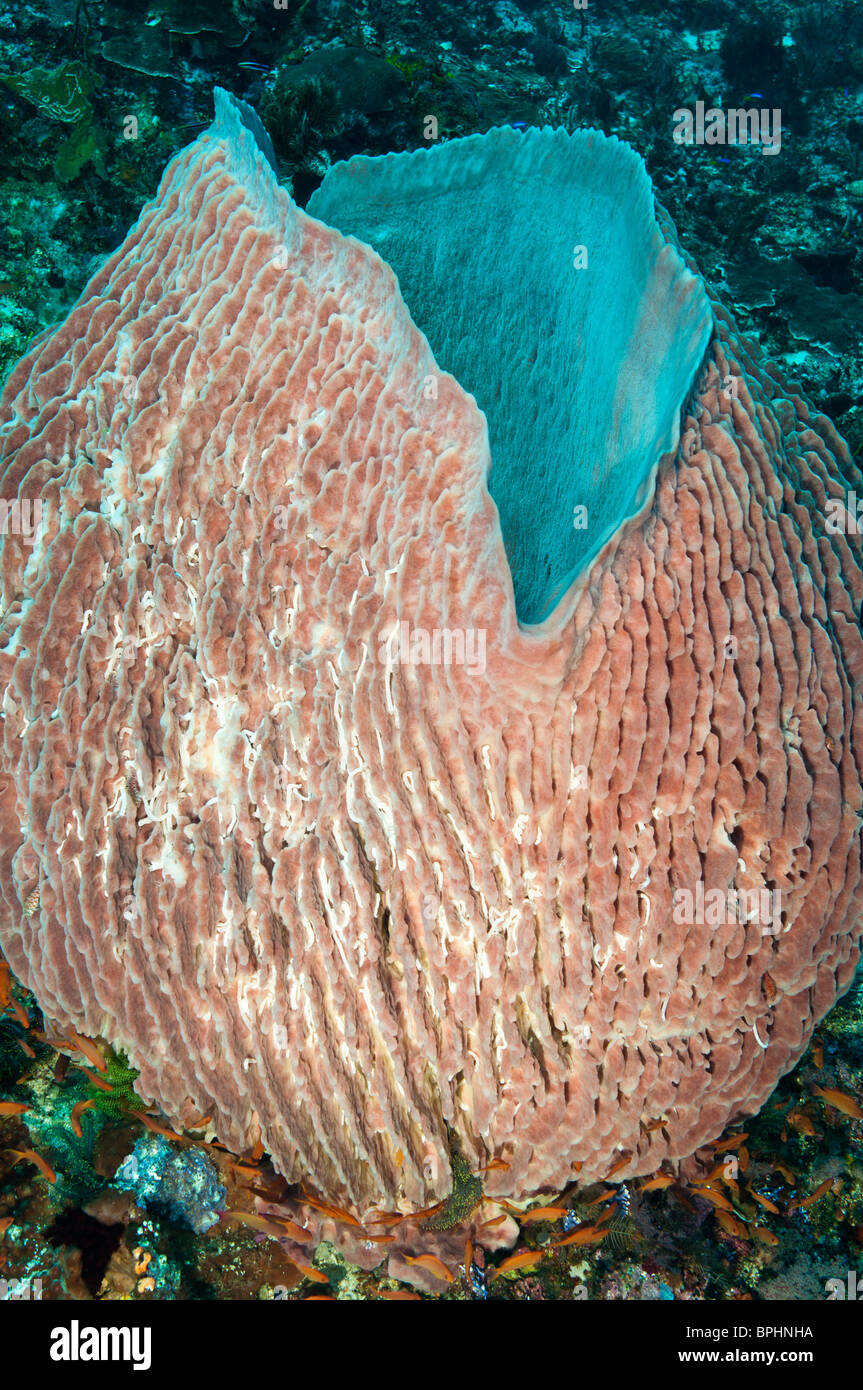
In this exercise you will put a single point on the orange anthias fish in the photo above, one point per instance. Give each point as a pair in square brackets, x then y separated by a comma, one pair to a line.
[12, 1107]
[733, 1142]
[8, 1002]
[603, 1197]
[316, 1275]
[5, 985]
[433, 1265]
[98, 1081]
[269, 1191]
[299, 1233]
[716, 1199]
[718, 1172]
[244, 1170]
[821, 1191]
[839, 1101]
[585, 1235]
[20, 1013]
[89, 1049]
[32, 1157]
[423, 1214]
[525, 1259]
[801, 1122]
[199, 1122]
[154, 1125]
[610, 1211]
[493, 1221]
[508, 1206]
[544, 1214]
[657, 1183]
[75, 1117]
[680, 1196]
[326, 1209]
[256, 1222]
[730, 1224]
[385, 1218]
[762, 1201]
[766, 1237]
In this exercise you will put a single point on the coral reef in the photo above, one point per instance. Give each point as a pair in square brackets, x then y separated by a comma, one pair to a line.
[182, 1183]
[96, 97]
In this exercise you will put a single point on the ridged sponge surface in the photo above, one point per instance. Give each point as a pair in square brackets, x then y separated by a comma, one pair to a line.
[337, 851]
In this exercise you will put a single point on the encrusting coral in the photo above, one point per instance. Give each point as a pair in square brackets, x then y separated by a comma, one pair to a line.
[320, 878]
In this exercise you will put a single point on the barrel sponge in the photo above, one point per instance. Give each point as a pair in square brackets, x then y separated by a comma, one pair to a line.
[356, 832]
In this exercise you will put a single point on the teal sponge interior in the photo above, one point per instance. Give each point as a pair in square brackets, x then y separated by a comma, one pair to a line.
[580, 358]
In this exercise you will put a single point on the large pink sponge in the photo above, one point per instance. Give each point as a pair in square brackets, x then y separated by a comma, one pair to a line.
[333, 849]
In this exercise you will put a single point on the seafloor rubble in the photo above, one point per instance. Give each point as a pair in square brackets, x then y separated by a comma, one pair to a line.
[771, 1212]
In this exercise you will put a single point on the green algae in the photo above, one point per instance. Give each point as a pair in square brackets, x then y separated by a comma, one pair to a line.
[465, 1196]
[86, 143]
[61, 93]
[122, 1098]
